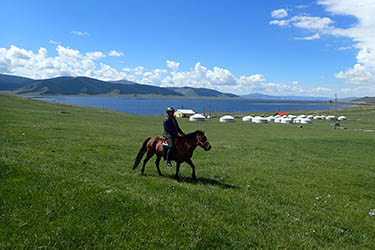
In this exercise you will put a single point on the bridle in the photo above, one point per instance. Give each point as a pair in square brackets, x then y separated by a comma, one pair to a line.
[199, 143]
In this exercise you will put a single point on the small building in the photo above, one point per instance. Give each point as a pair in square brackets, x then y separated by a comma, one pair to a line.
[185, 113]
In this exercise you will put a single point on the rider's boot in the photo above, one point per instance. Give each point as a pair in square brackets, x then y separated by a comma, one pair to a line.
[169, 164]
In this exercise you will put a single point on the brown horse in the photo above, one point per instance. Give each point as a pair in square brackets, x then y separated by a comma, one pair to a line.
[185, 147]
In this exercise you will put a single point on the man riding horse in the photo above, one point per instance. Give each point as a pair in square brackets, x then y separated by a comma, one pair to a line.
[186, 146]
[171, 132]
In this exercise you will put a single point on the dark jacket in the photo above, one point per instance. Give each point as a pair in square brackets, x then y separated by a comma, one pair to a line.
[171, 128]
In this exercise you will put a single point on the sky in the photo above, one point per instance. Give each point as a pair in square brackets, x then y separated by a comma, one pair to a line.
[279, 47]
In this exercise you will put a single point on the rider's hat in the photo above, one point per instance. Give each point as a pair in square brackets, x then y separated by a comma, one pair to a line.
[170, 109]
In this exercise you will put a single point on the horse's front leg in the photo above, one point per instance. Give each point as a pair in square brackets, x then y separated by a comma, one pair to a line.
[193, 176]
[177, 170]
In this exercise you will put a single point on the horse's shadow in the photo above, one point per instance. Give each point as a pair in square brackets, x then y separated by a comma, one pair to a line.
[203, 181]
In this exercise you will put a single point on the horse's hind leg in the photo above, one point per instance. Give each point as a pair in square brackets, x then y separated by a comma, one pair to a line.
[148, 157]
[177, 170]
[158, 157]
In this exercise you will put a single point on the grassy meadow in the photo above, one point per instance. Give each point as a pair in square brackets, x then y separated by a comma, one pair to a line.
[66, 183]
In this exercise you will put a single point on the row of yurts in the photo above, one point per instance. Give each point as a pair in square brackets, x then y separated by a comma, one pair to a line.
[277, 118]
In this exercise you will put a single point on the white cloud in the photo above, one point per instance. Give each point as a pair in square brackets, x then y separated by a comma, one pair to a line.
[138, 70]
[68, 62]
[154, 77]
[358, 91]
[302, 6]
[79, 33]
[115, 53]
[54, 42]
[322, 25]
[361, 32]
[313, 37]
[345, 48]
[217, 78]
[280, 22]
[95, 55]
[173, 65]
[279, 13]
[312, 22]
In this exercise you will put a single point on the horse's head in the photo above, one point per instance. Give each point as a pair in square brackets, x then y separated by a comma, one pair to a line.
[202, 140]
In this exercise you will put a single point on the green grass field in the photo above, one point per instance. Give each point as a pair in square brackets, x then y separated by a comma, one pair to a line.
[66, 182]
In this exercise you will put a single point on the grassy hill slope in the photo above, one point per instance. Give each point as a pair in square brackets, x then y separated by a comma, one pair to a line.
[365, 99]
[9, 83]
[89, 86]
[66, 182]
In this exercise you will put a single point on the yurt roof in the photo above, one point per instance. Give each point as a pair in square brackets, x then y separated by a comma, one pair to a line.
[186, 111]
[197, 116]
[227, 117]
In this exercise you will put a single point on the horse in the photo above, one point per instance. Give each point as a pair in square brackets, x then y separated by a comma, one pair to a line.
[185, 147]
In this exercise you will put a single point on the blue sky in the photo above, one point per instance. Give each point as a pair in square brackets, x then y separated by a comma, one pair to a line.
[314, 48]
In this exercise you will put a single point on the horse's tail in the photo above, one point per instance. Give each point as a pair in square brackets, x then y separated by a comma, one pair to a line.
[141, 152]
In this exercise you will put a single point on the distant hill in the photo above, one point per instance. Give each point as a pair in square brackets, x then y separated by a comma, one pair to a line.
[10, 83]
[89, 86]
[189, 91]
[365, 99]
[124, 82]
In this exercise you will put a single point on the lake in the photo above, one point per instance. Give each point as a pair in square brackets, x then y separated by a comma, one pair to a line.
[157, 106]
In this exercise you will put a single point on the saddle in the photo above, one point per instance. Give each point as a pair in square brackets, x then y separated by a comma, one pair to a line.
[165, 149]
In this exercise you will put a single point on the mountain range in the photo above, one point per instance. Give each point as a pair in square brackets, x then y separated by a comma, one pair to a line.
[89, 86]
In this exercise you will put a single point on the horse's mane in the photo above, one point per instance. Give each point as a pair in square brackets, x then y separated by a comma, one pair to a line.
[193, 134]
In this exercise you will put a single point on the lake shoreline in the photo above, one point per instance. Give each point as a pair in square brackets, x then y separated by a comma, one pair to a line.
[156, 106]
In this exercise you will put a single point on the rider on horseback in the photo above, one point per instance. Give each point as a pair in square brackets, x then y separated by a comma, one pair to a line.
[171, 132]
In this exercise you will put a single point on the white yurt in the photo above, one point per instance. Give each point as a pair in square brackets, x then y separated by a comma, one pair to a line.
[323, 117]
[270, 118]
[310, 117]
[306, 121]
[342, 118]
[297, 120]
[317, 117]
[301, 116]
[247, 118]
[227, 118]
[278, 120]
[292, 117]
[197, 117]
[286, 120]
[259, 119]
[330, 117]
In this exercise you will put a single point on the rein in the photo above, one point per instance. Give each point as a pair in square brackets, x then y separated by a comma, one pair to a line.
[199, 143]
